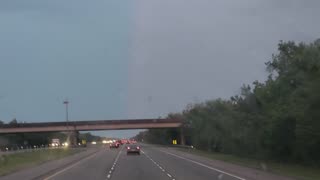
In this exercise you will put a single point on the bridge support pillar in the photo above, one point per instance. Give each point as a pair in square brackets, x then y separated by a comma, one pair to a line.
[73, 138]
[182, 137]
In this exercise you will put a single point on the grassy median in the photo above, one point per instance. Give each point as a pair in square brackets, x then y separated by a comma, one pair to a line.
[17, 161]
[292, 170]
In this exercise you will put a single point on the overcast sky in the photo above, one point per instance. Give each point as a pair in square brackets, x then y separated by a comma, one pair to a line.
[137, 59]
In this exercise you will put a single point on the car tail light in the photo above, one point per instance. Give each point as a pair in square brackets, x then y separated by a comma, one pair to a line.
[138, 147]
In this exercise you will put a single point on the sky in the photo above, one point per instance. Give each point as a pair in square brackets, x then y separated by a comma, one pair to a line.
[137, 59]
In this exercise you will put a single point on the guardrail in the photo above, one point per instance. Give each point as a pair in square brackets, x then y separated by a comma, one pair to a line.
[171, 146]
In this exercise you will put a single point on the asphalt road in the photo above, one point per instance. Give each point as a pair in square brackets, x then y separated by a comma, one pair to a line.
[153, 164]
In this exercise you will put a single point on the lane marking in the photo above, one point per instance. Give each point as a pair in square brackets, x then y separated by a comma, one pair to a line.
[71, 166]
[162, 169]
[114, 164]
[203, 165]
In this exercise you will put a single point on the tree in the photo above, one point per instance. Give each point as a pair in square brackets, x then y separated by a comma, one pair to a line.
[276, 119]
[13, 121]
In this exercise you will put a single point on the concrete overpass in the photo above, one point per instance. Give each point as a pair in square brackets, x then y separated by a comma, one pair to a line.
[90, 125]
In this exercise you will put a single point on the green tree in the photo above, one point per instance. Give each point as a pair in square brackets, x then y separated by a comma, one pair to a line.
[276, 119]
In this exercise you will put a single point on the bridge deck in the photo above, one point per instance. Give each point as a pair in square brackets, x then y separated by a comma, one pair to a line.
[90, 125]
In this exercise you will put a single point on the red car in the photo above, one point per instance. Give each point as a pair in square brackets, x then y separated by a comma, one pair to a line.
[114, 145]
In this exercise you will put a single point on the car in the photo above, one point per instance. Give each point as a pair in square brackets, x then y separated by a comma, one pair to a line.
[133, 149]
[114, 145]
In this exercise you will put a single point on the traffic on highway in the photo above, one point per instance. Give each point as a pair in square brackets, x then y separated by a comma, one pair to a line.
[159, 90]
[129, 161]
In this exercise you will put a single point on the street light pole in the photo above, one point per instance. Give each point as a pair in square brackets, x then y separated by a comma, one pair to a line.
[66, 102]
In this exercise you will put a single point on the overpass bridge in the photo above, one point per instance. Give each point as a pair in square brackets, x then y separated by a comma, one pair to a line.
[76, 126]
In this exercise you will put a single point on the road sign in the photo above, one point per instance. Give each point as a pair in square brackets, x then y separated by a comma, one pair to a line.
[84, 142]
[174, 141]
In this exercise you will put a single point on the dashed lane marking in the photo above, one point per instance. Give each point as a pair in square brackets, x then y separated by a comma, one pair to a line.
[114, 164]
[161, 168]
[203, 165]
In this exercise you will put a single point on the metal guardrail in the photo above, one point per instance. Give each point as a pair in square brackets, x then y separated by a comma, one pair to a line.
[171, 146]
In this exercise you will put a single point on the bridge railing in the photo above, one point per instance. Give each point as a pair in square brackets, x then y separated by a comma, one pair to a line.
[95, 122]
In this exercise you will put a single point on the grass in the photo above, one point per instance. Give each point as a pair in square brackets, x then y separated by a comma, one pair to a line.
[13, 162]
[292, 170]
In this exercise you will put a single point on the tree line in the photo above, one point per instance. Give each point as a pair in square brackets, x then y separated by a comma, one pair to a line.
[278, 119]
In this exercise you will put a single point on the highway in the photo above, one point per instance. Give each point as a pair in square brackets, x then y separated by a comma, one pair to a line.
[154, 163]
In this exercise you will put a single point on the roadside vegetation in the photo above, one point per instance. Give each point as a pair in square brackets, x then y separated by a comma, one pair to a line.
[276, 120]
[13, 162]
[31, 140]
[294, 170]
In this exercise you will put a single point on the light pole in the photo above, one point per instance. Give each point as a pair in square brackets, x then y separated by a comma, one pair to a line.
[66, 102]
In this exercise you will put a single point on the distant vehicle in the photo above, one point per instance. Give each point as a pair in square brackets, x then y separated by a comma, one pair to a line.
[120, 142]
[133, 149]
[114, 145]
[94, 142]
[124, 141]
[133, 141]
[55, 142]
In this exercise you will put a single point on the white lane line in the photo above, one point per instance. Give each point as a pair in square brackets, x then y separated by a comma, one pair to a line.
[69, 167]
[161, 168]
[114, 164]
[203, 165]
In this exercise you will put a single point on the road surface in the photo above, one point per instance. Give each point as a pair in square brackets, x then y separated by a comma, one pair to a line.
[154, 163]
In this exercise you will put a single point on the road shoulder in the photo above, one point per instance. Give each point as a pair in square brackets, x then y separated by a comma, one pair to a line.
[48, 167]
[245, 172]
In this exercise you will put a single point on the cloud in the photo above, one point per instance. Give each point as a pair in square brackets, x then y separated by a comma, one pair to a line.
[189, 51]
